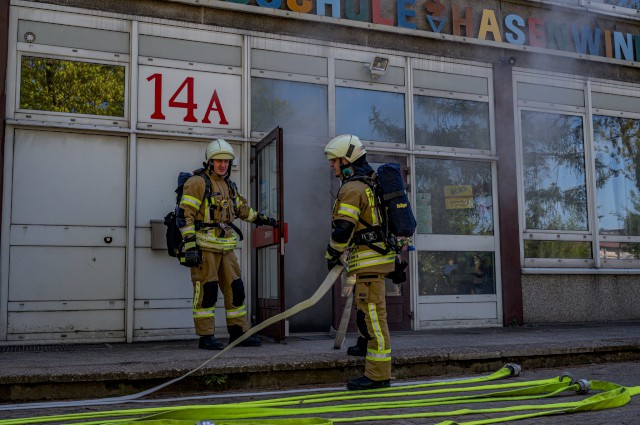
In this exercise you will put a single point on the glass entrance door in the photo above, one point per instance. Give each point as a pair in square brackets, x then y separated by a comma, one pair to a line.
[457, 270]
[269, 241]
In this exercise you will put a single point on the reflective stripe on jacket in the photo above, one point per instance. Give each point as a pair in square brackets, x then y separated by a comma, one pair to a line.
[221, 208]
[356, 200]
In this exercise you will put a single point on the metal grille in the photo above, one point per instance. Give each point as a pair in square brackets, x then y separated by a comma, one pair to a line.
[46, 348]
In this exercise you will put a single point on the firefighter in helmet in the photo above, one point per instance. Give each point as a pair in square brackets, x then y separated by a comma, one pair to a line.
[356, 227]
[206, 225]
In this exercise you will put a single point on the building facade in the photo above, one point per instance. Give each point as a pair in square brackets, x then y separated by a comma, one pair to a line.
[517, 124]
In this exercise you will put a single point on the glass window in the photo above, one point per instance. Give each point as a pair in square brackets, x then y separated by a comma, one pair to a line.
[619, 251]
[633, 4]
[70, 86]
[456, 273]
[554, 171]
[617, 160]
[371, 115]
[452, 123]
[453, 197]
[557, 249]
[299, 108]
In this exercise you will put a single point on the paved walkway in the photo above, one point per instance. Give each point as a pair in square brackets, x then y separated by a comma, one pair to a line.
[102, 370]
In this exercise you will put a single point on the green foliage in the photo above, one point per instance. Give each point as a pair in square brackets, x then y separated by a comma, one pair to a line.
[554, 171]
[215, 381]
[70, 86]
[557, 249]
[453, 123]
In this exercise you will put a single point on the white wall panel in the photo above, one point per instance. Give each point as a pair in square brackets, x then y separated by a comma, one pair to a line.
[23, 234]
[67, 237]
[40, 273]
[153, 319]
[65, 321]
[68, 179]
[457, 311]
[159, 162]
[159, 276]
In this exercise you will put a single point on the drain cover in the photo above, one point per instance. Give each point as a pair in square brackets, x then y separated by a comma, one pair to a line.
[46, 348]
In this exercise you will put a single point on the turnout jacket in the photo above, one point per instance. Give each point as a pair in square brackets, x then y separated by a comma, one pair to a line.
[355, 201]
[222, 207]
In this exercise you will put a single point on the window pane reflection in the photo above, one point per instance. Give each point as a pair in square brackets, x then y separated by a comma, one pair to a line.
[557, 249]
[456, 273]
[453, 197]
[371, 115]
[617, 157]
[554, 171]
[452, 123]
[299, 108]
[619, 251]
[71, 86]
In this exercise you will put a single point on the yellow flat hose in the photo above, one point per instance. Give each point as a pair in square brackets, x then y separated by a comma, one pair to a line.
[324, 287]
[287, 410]
[610, 395]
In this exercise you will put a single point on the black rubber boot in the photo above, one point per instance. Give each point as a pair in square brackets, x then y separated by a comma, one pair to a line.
[364, 383]
[210, 342]
[360, 349]
[235, 332]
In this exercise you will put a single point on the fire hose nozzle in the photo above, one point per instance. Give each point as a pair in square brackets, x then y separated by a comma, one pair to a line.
[514, 368]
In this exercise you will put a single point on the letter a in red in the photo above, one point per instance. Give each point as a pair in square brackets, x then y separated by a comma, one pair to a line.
[218, 108]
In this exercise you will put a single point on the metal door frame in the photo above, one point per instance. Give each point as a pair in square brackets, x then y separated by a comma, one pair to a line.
[276, 331]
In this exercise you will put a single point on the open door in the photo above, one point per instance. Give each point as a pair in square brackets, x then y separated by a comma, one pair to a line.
[269, 241]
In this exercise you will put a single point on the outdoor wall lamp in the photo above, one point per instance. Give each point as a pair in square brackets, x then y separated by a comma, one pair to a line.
[378, 66]
[511, 60]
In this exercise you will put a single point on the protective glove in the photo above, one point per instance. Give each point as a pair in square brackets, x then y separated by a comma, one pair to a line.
[264, 220]
[192, 256]
[332, 256]
[398, 274]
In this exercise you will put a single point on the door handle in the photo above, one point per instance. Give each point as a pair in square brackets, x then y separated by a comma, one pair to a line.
[108, 239]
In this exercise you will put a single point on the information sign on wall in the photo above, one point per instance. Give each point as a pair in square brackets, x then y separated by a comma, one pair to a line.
[190, 98]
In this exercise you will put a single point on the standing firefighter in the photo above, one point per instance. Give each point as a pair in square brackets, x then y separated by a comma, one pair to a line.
[356, 226]
[205, 218]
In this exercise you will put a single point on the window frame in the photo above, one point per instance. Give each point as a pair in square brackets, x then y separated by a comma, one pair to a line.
[65, 54]
[592, 235]
[38, 49]
[364, 57]
[296, 48]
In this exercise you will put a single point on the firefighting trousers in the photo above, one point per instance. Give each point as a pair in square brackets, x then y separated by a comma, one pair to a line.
[218, 270]
[370, 302]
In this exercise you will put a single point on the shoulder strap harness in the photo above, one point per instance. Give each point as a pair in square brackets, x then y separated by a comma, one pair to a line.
[372, 234]
[207, 195]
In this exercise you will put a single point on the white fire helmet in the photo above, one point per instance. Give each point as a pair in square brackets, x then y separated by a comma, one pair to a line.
[345, 146]
[219, 149]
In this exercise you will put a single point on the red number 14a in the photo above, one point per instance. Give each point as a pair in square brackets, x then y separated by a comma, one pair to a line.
[189, 105]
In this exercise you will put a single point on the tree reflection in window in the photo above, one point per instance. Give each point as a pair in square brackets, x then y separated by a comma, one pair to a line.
[71, 86]
[299, 108]
[554, 171]
[452, 123]
[617, 160]
[371, 115]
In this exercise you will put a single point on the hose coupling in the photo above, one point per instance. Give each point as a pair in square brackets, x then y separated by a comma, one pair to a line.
[514, 368]
[584, 385]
